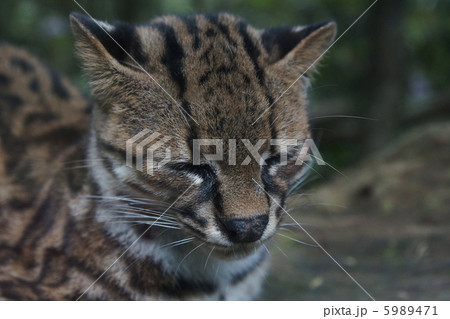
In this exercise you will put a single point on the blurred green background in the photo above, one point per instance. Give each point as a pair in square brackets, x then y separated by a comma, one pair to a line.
[391, 68]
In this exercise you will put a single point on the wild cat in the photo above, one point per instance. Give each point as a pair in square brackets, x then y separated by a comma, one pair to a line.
[102, 230]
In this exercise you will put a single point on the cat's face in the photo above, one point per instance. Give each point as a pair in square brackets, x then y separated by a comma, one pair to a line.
[198, 80]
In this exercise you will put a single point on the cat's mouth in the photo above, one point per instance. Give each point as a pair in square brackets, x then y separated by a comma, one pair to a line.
[233, 239]
[235, 251]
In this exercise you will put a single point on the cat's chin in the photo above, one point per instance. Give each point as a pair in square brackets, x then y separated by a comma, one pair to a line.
[237, 251]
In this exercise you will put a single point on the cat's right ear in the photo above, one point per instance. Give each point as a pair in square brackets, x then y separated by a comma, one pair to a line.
[298, 49]
[102, 45]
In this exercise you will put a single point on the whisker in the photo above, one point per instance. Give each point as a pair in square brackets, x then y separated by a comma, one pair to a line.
[183, 243]
[324, 86]
[126, 217]
[302, 195]
[117, 198]
[293, 225]
[121, 212]
[310, 167]
[153, 204]
[140, 212]
[142, 204]
[297, 241]
[148, 202]
[217, 271]
[267, 249]
[297, 187]
[297, 206]
[329, 165]
[138, 223]
[209, 255]
[286, 229]
[179, 242]
[343, 116]
[315, 204]
[133, 222]
[138, 209]
[303, 179]
[140, 220]
[187, 255]
[137, 201]
[281, 251]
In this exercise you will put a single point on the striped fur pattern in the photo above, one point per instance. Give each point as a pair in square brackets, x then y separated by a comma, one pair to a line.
[70, 207]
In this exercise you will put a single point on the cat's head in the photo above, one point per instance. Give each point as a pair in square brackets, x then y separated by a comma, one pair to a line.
[179, 82]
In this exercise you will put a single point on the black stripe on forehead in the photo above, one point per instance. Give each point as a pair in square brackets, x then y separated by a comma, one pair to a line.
[192, 28]
[252, 50]
[214, 19]
[173, 55]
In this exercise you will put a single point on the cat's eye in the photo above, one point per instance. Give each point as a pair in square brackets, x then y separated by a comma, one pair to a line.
[204, 171]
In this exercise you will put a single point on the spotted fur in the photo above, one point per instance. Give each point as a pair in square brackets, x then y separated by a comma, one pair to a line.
[69, 204]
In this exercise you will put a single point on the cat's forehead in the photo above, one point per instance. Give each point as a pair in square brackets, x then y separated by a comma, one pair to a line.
[215, 63]
[212, 72]
[203, 47]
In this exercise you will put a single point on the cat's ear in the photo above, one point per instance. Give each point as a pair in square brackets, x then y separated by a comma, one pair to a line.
[102, 45]
[298, 48]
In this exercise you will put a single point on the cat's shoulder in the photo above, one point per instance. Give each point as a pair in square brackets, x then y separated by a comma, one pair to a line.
[42, 117]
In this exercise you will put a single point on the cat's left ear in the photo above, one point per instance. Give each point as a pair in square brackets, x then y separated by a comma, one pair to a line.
[298, 48]
[102, 45]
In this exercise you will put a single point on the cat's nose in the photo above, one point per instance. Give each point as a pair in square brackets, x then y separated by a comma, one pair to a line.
[245, 230]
